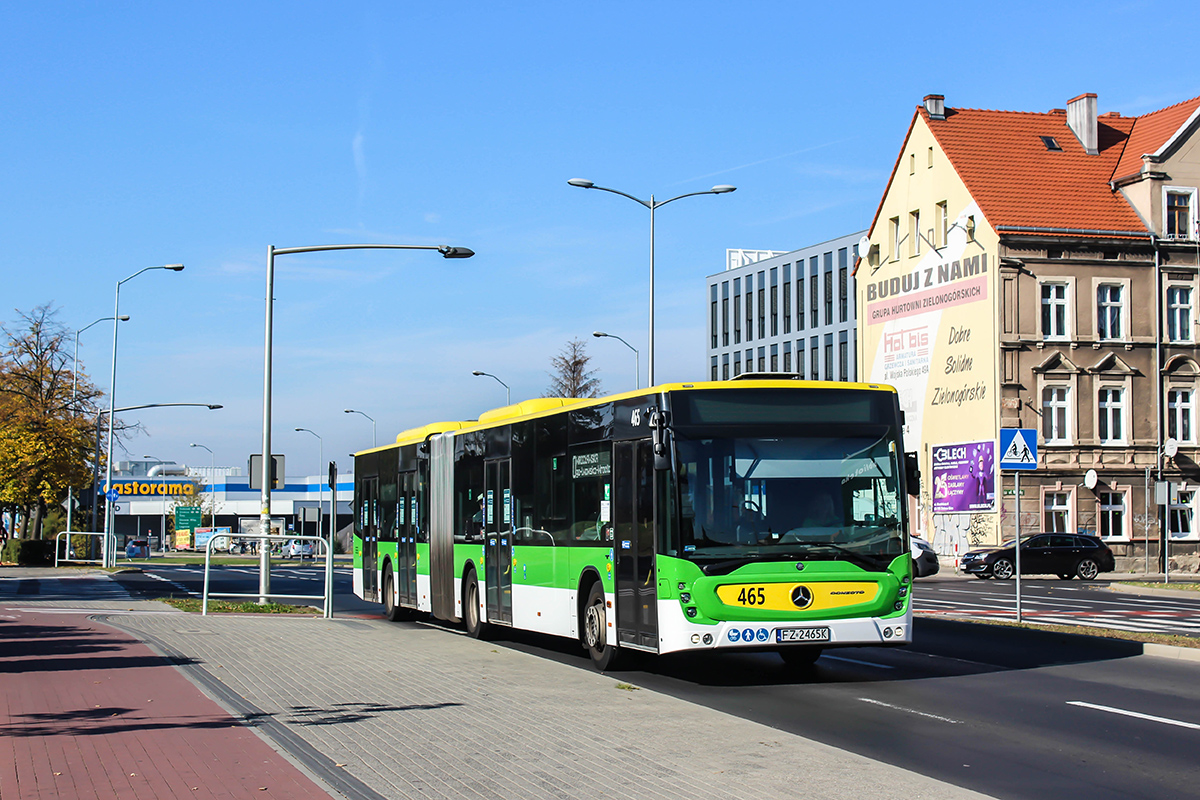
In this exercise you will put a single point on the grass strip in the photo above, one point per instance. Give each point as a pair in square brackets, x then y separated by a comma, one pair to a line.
[246, 607]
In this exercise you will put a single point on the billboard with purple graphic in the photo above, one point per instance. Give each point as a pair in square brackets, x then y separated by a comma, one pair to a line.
[964, 477]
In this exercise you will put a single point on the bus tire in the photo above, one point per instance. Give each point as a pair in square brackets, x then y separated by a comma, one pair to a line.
[800, 657]
[391, 611]
[472, 620]
[594, 631]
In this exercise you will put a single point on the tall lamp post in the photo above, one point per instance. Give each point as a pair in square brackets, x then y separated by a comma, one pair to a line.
[320, 485]
[637, 370]
[651, 204]
[212, 482]
[374, 438]
[112, 394]
[74, 397]
[110, 556]
[507, 391]
[264, 563]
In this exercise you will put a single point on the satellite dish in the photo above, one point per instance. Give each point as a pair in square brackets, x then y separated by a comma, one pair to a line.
[864, 246]
[1170, 448]
[1090, 479]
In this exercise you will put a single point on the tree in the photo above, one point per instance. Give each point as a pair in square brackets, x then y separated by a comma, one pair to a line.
[46, 435]
[571, 377]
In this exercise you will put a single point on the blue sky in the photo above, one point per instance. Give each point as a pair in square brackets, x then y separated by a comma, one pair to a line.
[148, 133]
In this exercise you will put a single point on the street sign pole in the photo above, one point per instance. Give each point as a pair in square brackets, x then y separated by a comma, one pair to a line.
[1017, 454]
[1017, 548]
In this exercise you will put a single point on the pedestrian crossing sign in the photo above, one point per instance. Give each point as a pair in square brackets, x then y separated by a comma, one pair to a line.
[1018, 448]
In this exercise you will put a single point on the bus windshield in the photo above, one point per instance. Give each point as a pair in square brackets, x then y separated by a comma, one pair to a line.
[831, 495]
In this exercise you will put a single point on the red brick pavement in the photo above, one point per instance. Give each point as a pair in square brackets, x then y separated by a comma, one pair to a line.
[87, 712]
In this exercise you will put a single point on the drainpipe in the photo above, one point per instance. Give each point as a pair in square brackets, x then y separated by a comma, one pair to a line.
[1164, 511]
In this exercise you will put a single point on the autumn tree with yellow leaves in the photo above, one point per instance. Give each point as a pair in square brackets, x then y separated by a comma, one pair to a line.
[47, 428]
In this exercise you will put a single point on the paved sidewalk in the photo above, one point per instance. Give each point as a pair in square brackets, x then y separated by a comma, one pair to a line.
[89, 712]
[374, 710]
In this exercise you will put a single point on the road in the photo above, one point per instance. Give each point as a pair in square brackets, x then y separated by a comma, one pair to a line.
[1007, 712]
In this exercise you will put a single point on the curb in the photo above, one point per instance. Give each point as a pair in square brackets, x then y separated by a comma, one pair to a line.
[1180, 593]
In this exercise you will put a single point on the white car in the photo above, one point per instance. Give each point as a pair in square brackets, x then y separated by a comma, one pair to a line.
[925, 560]
[294, 548]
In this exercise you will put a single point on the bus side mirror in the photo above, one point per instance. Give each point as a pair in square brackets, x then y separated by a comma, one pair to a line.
[661, 439]
[912, 473]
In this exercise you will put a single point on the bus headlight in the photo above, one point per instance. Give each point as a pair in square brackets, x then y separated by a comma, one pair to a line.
[686, 597]
[690, 611]
[899, 606]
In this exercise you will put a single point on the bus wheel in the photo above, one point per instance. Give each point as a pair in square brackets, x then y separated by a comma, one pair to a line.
[595, 631]
[800, 657]
[476, 627]
[392, 611]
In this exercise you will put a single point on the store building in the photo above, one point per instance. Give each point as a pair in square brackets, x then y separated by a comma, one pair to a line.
[1039, 270]
[149, 491]
[788, 312]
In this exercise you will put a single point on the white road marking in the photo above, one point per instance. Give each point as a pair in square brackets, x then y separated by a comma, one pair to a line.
[911, 711]
[1123, 712]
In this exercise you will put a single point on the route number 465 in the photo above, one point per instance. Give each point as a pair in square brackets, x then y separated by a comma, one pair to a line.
[752, 596]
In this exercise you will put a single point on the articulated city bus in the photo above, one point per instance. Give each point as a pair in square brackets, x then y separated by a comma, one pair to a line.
[751, 515]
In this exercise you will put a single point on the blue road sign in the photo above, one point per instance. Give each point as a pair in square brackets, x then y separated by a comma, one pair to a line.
[112, 495]
[1018, 448]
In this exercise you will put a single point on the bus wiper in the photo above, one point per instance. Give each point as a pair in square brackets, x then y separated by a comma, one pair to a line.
[730, 564]
[851, 556]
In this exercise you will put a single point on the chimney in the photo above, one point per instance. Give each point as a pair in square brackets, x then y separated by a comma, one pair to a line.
[935, 106]
[1081, 119]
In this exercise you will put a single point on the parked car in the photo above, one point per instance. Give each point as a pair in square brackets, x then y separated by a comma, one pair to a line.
[137, 548]
[925, 560]
[294, 548]
[1063, 554]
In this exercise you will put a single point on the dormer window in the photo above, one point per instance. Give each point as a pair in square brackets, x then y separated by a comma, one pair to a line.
[1051, 143]
[1179, 214]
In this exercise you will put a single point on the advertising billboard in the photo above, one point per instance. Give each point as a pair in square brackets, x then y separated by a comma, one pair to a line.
[964, 477]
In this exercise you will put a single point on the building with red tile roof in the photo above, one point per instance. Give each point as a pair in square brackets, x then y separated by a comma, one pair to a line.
[1039, 270]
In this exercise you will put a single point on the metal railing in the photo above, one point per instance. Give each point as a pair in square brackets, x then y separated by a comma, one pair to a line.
[57, 542]
[326, 598]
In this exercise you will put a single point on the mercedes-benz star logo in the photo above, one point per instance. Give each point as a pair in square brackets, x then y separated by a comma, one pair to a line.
[801, 597]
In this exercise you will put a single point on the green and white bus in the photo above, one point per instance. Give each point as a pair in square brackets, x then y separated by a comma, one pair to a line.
[734, 515]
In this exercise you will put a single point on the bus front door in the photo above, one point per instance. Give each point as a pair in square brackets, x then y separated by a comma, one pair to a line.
[498, 541]
[633, 522]
[368, 515]
[406, 554]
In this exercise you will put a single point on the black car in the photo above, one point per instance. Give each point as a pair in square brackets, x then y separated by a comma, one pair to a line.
[1063, 554]
[925, 560]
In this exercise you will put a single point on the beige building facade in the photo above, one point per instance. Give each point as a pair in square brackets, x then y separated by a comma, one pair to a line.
[1039, 271]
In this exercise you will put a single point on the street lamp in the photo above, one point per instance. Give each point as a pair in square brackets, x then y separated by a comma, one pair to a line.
[636, 368]
[212, 482]
[74, 397]
[320, 485]
[374, 440]
[507, 391]
[651, 204]
[112, 390]
[264, 563]
[110, 559]
[162, 473]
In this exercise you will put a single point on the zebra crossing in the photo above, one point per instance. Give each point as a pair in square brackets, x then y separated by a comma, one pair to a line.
[1056, 604]
[63, 587]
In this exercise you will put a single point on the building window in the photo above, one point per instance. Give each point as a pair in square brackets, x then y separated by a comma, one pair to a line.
[725, 314]
[1180, 213]
[762, 359]
[725, 367]
[1054, 310]
[943, 224]
[714, 368]
[843, 285]
[914, 232]
[774, 301]
[737, 311]
[1181, 515]
[737, 363]
[774, 358]
[787, 356]
[787, 299]
[799, 296]
[750, 360]
[1112, 515]
[843, 357]
[929, 163]
[912, 163]
[814, 291]
[829, 288]
[1108, 310]
[1179, 313]
[800, 357]
[749, 308]
[1111, 406]
[1055, 414]
[814, 355]
[1179, 415]
[895, 226]
[762, 305]
[1056, 512]
[713, 293]
[829, 357]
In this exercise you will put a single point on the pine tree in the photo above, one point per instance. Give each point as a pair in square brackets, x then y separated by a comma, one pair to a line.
[571, 377]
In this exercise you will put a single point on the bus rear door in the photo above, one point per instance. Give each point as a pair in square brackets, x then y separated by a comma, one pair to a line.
[498, 540]
[633, 521]
[406, 553]
[369, 530]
